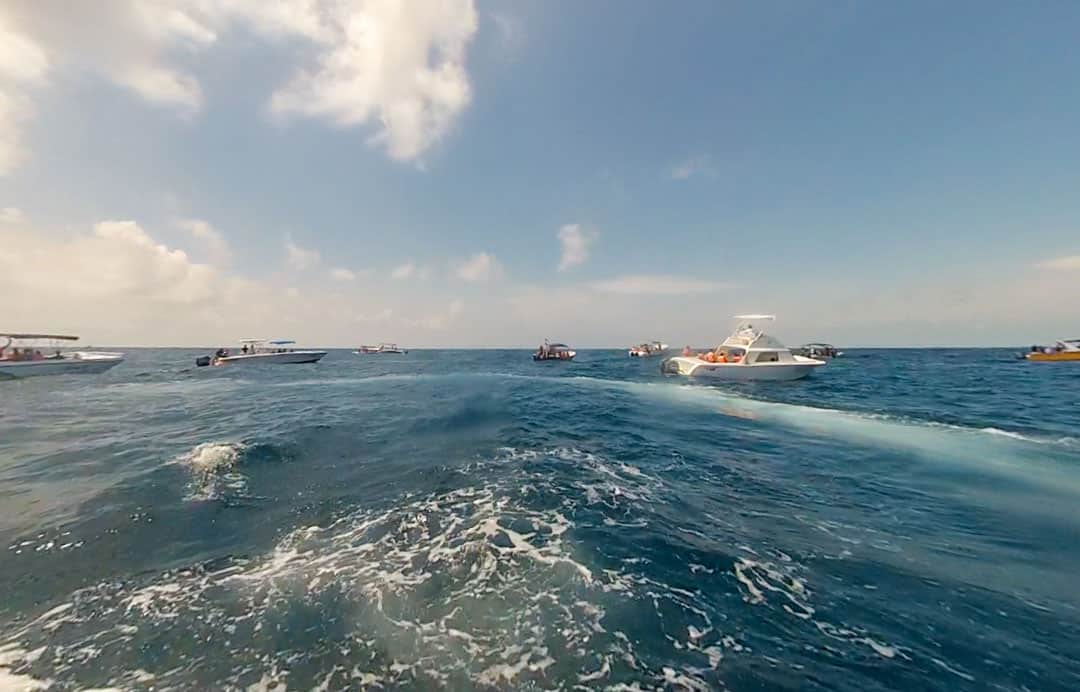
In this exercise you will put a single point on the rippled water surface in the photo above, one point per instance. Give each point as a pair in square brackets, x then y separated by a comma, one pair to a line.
[474, 520]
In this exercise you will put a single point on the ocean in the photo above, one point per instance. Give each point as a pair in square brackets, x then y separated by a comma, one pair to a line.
[472, 520]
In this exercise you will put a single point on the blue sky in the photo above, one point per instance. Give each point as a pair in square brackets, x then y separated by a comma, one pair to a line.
[879, 174]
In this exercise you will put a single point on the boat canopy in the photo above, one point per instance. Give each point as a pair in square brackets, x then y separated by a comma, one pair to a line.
[755, 317]
[57, 337]
[281, 342]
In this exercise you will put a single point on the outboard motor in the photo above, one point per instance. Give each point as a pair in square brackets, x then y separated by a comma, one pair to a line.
[202, 361]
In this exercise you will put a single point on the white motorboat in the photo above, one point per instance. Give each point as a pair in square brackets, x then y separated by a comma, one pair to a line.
[818, 351]
[748, 354]
[28, 359]
[647, 349]
[549, 351]
[384, 348]
[261, 351]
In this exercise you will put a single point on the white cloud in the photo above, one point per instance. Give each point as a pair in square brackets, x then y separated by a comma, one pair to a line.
[442, 320]
[656, 284]
[300, 258]
[479, 267]
[576, 242]
[695, 165]
[510, 32]
[116, 284]
[217, 247]
[384, 315]
[397, 67]
[409, 270]
[342, 274]
[23, 65]
[118, 260]
[11, 215]
[1064, 263]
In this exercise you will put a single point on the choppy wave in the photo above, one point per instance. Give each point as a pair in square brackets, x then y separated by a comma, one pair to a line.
[484, 585]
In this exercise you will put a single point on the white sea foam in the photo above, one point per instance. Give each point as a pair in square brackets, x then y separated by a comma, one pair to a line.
[212, 475]
[211, 457]
[479, 585]
[470, 586]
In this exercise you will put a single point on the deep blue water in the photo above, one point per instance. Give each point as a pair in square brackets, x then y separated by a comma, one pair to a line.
[903, 520]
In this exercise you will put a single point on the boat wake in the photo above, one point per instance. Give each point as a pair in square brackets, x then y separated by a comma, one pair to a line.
[490, 585]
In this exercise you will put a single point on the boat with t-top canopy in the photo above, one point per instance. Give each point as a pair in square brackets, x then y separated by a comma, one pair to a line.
[279, 352]
[30, 355]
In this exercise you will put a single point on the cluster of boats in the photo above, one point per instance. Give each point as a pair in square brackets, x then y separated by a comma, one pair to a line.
[282, 352]
[749, 353]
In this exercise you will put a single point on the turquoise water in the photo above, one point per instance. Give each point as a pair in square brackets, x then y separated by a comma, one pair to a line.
[902, 520]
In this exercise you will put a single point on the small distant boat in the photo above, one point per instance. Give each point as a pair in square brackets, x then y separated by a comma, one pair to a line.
[647, 349]
[1064, 350]
[385, 348]
[549, 351]
[748, 354]
[261, 351]
[28, 360]
[818, 351]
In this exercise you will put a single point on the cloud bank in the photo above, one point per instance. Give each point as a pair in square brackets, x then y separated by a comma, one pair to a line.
[395, 67]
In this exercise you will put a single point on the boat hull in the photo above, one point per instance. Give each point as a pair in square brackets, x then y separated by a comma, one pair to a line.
[288, 358]
[695, 367]
[1062, 357]
[72, 364]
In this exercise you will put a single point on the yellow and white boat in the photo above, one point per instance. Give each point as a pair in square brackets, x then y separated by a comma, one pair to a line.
[1066, 349]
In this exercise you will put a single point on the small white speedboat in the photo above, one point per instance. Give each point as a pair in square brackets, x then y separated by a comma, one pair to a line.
[748, 354]
[254, 351]
[30, 361]
[384, 348]
[647, 349]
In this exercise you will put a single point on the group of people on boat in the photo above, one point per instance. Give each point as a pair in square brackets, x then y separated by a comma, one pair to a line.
[553, 352]
[719, 356]
[17, 354]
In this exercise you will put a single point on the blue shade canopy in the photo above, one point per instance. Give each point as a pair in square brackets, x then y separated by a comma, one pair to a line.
[281, 342]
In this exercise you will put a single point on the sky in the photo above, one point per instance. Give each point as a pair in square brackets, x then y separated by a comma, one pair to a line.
[464, 173]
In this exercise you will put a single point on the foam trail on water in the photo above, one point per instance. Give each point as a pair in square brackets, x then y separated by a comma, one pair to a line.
[1002, 454]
